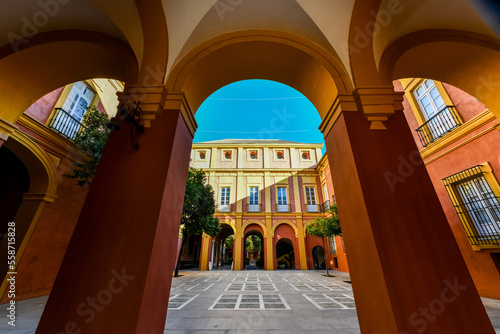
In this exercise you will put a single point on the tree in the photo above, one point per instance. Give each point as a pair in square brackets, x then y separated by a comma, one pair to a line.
[90, 140]
[198, 210]
[229, 242]
[328, 227]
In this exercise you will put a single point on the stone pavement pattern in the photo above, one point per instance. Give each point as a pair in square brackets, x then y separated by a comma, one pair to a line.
[247, 302]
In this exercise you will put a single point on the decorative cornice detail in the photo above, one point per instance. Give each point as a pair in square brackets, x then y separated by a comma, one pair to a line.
[378, 104]
[6, 129]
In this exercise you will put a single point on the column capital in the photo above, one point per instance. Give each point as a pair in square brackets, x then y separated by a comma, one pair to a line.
[378, 104]
[152, 99]
[178, 101]
[343, 102]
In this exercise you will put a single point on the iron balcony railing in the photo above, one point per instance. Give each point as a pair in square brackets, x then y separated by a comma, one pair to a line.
[225, 208]
[313, 207]
[282, 207]
[65, 124]
[481, 220]
[254, 207]
[326, 206]
[438, 125]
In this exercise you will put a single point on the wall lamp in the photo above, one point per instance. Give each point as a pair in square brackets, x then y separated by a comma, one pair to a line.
[132, 115]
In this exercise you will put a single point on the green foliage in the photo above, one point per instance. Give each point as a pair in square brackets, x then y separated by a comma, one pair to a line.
[199, 206]
[325, 226]
[229, 242]
[90, 141]
[253, 243]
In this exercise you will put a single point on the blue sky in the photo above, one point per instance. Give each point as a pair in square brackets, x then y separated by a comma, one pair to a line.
[258, 109]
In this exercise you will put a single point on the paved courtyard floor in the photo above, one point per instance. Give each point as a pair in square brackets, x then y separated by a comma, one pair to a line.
[247, 302]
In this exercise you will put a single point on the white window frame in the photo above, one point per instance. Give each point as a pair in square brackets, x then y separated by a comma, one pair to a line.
[78, 95]
[225, 199]
[311, 199]
[283, 205]
[253, 196]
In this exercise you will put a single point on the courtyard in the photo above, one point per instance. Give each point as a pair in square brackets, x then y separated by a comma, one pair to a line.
[251, 301]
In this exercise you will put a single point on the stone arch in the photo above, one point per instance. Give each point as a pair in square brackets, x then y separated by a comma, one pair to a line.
[253, 222]
[253, 54]
[286, 222]
[54, 59]
[42, 190]
[468, 62]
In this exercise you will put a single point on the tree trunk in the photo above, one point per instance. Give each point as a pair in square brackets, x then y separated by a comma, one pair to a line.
[180, 254]
[324, 256]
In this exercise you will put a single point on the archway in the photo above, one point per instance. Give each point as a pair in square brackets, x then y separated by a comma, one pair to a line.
[14, 181]
[318, 254]
[224, 247]
[254, 246]
[36, 186]
[285, 255]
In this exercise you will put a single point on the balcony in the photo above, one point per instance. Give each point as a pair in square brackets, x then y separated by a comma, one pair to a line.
[254, 207]
[481, 221]
[65, 124]
[225, 208]
[283, 208]
[326, 206]
[437, 126]
[313, 208]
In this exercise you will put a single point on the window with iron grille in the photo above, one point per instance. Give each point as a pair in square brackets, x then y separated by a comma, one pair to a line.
[476, 205]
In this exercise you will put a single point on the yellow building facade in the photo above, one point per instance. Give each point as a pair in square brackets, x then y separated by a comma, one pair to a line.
[272, 189]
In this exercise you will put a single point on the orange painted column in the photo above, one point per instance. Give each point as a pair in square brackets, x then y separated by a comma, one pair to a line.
[407, 272]
[117, 271]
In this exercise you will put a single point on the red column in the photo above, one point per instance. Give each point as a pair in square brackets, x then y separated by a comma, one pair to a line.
[117, 271]
[407, 272]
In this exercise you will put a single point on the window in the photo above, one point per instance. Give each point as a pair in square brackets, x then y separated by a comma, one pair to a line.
[333, 245]
[253, 155]
[67, 120]
[440, 119]
[476, 205]
[224, 199]
[326, 205]
[227, 155]
[282, 200]
[78, 100]
[311, 200]
[305, 155]
[253, 200]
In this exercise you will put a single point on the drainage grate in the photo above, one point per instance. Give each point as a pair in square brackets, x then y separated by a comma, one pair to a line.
[250, 302]
[332, 301]
[176, 302]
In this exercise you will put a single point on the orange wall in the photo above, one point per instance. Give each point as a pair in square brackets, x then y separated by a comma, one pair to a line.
[480, 150]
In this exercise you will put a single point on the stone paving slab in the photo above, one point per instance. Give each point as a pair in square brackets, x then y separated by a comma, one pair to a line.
[277, 302]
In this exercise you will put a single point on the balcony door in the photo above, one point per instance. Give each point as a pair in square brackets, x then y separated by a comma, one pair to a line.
[224, 200]
[431, 104]
[282, 200]
[312, 205]
[253, 200]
